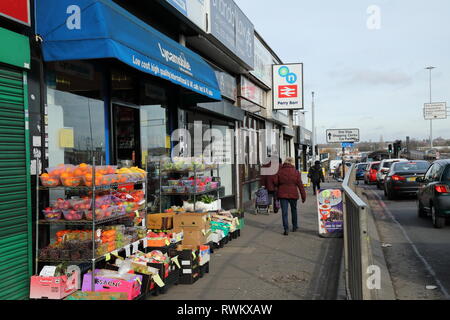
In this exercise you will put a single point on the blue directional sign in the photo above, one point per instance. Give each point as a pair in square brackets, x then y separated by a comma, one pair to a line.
[347, 144]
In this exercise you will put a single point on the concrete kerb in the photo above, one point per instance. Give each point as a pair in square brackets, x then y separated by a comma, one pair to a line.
[376, 257]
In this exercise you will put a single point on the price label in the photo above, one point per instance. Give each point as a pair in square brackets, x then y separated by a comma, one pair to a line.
[167, 242]
[145, 242]
[137, 213]
[127, 251]
[108, 257]
[175, 260]
[158, 280]
[135, 246]
[193, 255]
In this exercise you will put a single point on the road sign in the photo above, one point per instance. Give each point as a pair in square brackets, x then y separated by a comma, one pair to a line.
[347, 144]
[342, 135]
[434, 111]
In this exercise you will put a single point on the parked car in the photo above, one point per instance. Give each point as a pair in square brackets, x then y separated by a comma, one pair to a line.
[370, 176]
[361, 170]
[401, 179]
[434, 193]
[385, 165]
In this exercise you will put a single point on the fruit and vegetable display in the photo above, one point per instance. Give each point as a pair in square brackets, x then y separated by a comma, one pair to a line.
[107, 205]
[187, 164]
[83, 175]
[75, 245]
[190, 185]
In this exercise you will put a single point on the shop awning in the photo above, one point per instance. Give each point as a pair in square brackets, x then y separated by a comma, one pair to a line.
[96, 29]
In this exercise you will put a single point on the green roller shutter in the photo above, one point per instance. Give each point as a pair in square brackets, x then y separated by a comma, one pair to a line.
[15, 215]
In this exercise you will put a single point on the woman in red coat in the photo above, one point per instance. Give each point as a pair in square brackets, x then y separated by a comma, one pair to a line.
[289, 183]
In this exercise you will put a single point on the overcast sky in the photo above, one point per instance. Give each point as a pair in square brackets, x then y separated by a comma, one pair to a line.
[372, 79]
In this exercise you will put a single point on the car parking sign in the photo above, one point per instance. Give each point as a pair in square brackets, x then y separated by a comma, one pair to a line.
[288, 86]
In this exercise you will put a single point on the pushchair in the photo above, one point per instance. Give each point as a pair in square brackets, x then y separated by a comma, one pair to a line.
[262, 201]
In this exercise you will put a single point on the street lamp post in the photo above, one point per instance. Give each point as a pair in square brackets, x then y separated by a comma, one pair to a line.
[431, 101]
[313, 138]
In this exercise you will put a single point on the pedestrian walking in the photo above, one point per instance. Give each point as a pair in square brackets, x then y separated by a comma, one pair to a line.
[316, 175]
[268, 181]
[289, 183]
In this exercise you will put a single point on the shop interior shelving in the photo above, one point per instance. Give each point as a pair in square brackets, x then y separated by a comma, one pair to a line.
[163, 175]
[94, 223]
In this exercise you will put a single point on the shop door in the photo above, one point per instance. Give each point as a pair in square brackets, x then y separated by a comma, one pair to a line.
[126, 135]
[15, 211]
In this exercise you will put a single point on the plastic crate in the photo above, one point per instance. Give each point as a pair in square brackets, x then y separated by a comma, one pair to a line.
[172, 279]
[204, 269]
[190, 278]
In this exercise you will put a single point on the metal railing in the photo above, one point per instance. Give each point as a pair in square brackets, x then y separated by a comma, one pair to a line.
[356, 251]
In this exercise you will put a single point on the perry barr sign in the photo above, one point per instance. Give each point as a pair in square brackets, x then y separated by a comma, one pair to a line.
[16, 10]
[287, 86]
[342, 135]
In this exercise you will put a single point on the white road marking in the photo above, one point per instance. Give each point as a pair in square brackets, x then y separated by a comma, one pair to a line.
[424, 261]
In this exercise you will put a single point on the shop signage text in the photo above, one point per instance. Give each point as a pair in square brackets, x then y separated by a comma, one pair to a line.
[287, 86]
[232, 28]
[263, 64]
[180, 59]
[194, 10]
[16, 10]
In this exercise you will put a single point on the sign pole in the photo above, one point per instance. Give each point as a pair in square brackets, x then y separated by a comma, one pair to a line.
[313, 132]
[343, 162]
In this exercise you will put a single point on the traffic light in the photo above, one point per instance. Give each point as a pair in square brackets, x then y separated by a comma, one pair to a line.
[390, 148]
[397, 147]
[310, 153]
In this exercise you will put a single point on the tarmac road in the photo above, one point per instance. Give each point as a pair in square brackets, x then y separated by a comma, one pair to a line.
[420, 254]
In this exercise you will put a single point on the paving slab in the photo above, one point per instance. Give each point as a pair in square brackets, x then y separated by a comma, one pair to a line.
[265, 264]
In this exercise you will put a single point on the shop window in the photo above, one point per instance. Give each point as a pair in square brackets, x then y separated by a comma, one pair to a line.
[76, 121]
[155, 140]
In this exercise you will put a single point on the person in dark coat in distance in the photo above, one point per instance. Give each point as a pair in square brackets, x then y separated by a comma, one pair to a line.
[268, 181]
[289, 184]
[316, 175]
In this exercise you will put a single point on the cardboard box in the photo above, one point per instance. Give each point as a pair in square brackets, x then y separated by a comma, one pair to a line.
[87, 295]
[194, 237]
[102, 284]
[160, 221]
[54, 288]
[192, 220]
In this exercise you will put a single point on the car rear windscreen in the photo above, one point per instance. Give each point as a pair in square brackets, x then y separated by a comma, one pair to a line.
[375, 166]
[411, 166]
[446, 176]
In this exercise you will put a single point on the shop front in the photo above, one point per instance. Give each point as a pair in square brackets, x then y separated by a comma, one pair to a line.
[114, 85]
[15, 194]
[303, 142]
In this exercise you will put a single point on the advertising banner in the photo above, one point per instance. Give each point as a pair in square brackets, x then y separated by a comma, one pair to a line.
[233, 29]
[288, 86]
[330, 208]
[16, 10]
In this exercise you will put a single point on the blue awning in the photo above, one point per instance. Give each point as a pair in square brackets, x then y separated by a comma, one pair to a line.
[96, 29]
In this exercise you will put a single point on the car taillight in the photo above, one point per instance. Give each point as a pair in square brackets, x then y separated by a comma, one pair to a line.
[398, 178]
[442, 188]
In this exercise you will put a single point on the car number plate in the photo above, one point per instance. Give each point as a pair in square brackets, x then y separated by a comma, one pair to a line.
[412, 179]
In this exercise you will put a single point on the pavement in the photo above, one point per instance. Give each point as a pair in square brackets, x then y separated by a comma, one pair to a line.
[417, 255]
[263, 264]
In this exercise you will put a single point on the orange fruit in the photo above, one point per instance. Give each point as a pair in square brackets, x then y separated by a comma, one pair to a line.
[45, 175]
[77, 172]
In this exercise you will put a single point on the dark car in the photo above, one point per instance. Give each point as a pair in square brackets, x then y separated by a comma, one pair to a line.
[361, 170]
[434, 193]
[402, 178]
